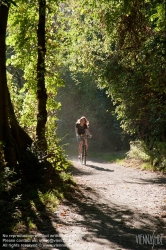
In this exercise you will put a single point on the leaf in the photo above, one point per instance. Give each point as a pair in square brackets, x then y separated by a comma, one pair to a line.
[63, 213]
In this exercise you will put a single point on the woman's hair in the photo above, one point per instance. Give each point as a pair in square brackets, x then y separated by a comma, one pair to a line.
[83, 117]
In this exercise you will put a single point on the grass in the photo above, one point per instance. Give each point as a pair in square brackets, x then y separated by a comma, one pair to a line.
[112, 157]
[137, 156]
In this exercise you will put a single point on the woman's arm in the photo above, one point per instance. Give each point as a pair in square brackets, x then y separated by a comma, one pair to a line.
[87, 132]
[76, 131]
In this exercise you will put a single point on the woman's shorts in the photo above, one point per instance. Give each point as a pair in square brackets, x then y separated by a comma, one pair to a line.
[79, 138]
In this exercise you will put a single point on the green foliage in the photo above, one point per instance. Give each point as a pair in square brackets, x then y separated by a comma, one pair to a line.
[148, 159]
[123, 44]
[137, 151]
[8, 180]
[22, 57]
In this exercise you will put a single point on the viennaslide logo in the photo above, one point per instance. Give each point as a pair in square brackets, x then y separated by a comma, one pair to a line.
[150, 239]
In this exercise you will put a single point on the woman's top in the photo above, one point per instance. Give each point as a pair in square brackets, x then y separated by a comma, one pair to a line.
[81, 129]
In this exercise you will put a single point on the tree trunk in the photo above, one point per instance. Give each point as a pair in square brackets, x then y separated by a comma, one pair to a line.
[6, 145]
[41, 90]
[12, 136]
[19, 135]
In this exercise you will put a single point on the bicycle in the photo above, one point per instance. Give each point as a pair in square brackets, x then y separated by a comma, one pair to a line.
[84, 150]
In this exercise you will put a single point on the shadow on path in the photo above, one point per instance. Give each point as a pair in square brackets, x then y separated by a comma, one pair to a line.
[111, 225]
[100, 168]
[160, 181]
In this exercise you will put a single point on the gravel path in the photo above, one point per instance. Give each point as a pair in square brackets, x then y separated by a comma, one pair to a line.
[115, 207]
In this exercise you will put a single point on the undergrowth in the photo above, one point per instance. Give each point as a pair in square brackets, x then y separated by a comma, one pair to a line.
[26, 202]
[140, 156]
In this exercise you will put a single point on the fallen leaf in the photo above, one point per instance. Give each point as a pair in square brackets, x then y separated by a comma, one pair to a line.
[63, 214]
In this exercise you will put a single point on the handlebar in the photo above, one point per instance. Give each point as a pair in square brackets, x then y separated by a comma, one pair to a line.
[84, 136]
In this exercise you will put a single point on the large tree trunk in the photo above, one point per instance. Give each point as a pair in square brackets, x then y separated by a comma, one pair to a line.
[12, 136]
[19, 135]
[41, 90]
[6, 145]
[2, 76]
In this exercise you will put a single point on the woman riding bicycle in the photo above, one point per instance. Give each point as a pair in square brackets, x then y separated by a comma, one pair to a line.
[82, 129]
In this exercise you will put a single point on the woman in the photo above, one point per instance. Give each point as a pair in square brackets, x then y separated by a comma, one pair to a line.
[82, 129]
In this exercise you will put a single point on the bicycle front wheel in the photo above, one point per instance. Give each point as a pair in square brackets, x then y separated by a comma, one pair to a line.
[83, 158]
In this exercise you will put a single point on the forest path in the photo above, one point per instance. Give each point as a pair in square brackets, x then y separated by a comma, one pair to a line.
[115, 207]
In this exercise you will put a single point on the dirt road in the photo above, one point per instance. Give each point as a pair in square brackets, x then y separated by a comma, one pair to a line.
[115, 208]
